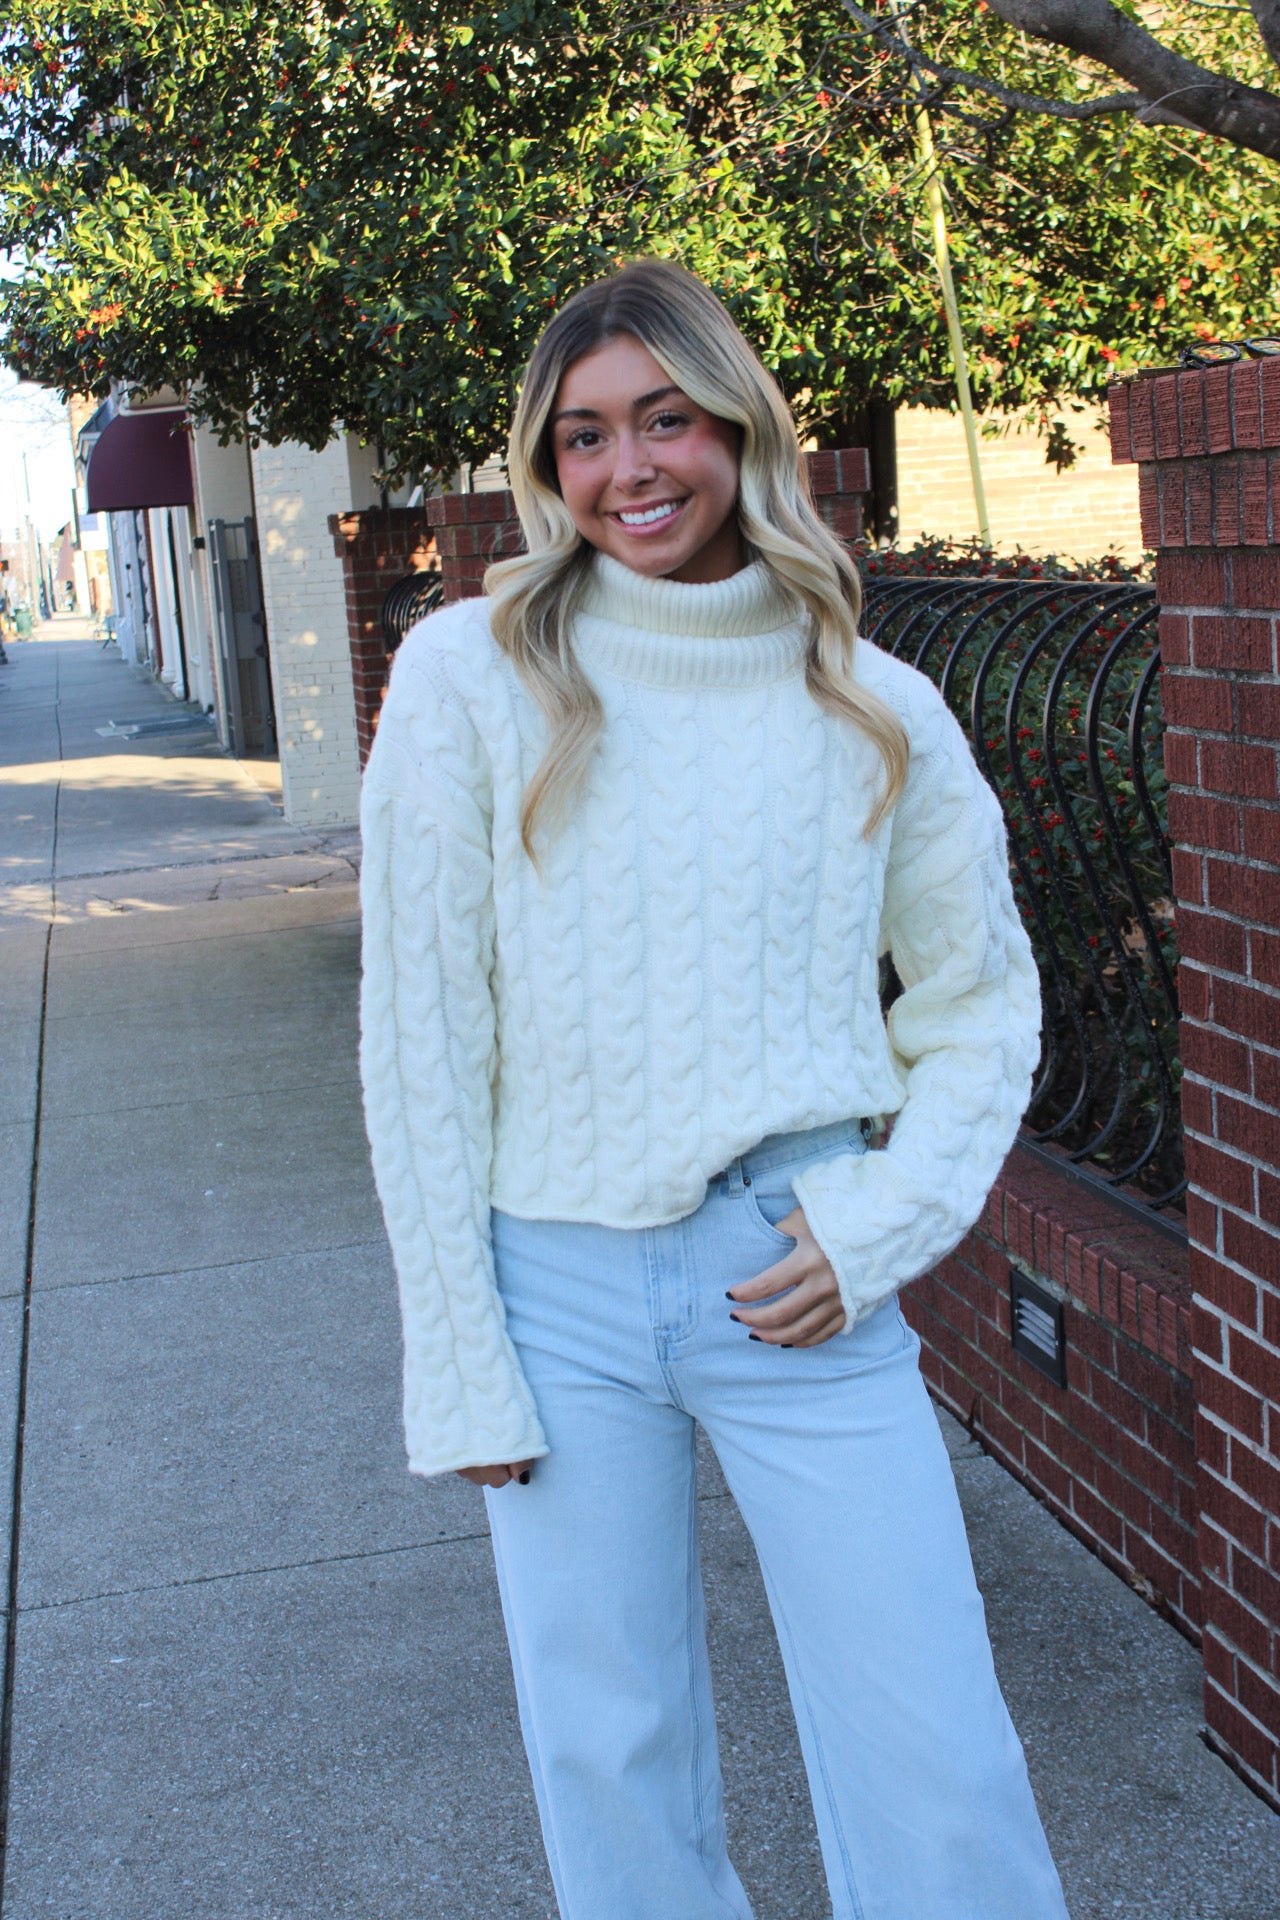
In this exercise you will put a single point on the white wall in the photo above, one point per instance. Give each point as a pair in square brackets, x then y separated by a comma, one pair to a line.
[302, 585]
[361, 464]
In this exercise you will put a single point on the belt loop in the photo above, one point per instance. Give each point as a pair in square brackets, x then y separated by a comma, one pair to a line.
[733, 1175]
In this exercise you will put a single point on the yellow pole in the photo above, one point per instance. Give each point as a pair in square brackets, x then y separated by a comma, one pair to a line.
[960, 360]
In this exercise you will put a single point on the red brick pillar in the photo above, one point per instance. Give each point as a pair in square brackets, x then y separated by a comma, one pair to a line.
[472, 531]
[1207, 444]
[838, 480]
[376, 548]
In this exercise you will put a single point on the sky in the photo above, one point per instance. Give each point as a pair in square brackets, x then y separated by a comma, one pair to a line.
[33, 421]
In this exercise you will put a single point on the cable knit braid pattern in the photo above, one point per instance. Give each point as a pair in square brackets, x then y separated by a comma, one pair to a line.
[695, 966]
[965, 1031]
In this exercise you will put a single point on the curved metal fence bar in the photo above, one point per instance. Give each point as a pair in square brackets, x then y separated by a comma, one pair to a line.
[1053, 682]
[411, 599]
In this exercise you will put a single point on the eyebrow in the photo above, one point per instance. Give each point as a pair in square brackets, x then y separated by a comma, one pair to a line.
[637, 406]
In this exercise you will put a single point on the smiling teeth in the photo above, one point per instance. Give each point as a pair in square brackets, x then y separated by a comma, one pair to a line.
[650, 513]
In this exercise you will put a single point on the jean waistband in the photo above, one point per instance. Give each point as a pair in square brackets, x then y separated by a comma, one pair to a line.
[778, 1148]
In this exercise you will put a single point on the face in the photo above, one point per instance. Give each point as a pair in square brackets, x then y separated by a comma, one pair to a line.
[649, 477]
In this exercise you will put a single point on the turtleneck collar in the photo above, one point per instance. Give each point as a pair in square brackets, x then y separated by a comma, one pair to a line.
[738, 632]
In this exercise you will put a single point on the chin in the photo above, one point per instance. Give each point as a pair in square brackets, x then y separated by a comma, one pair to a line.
[649, 561]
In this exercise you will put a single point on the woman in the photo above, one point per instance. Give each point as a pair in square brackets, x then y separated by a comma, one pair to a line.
[637, 828]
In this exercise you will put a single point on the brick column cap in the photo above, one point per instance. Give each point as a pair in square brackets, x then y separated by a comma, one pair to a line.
[1199, 411]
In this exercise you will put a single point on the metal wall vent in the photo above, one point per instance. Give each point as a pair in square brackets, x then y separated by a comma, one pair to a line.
[1037, 1325]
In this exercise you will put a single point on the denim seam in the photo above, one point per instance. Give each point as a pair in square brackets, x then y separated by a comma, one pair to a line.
[663, 1336]
[693, 1588]
[784, 1630]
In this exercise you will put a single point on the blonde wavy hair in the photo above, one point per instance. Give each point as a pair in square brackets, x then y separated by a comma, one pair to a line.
[534, 595]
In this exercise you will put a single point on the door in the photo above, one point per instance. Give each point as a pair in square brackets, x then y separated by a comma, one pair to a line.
[242, 636]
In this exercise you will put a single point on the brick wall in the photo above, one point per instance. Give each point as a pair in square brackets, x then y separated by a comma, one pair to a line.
[295, 490]
[375, 549]
[1113, 1452]
[1088, 509]
[466, 532]
[1207, 446]
[837, 481]
[472, 530]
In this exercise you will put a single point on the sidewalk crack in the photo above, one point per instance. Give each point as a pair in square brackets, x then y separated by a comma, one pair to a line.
[24, 1362]
[253, 1573]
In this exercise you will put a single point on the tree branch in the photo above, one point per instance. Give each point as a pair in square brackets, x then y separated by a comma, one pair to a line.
[1267, 15]
[943, 77]
[1247, 116]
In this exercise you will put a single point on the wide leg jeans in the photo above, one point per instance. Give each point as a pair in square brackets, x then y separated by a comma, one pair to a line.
[833, 1454]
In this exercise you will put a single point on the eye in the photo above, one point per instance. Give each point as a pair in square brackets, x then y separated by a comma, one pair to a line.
[582, 438]
[665, 420]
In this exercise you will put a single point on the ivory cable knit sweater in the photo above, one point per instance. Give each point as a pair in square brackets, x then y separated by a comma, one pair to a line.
[695, 969]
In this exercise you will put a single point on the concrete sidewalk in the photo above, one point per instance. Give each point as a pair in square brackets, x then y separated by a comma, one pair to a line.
[259, 1670]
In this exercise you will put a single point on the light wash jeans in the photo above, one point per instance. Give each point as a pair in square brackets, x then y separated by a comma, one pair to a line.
[833, 1453]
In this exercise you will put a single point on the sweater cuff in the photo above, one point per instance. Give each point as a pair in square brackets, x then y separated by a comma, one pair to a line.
[863, 1285]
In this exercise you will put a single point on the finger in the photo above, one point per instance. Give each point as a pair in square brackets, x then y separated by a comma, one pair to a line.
[786, 1273]
[517, 1473]
[806, 1293]
[834, 1324]
[496, 1476]
[801, 1329]
[825, 1333]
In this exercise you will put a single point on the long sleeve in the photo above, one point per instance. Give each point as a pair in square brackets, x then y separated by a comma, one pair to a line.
[964, 1033]
[428, 1054]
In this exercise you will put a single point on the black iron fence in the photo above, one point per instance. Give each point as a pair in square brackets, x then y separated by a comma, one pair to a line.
[411, 599]
[1055, 682]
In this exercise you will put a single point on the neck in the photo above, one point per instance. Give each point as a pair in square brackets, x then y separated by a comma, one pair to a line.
[723, 555]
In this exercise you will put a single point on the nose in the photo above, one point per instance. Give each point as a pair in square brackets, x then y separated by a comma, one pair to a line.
[634, 465]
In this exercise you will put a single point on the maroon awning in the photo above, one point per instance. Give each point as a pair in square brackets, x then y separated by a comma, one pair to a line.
[141, 460]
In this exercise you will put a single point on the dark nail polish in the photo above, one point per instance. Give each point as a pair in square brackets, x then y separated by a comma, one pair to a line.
[753, 1336]
[787, 1345]
[524, 1478]
[727, 1294]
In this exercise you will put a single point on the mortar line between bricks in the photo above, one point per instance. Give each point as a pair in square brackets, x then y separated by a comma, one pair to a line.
[24, 1360]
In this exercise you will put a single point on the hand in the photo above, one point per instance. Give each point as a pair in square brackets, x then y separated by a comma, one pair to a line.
[811, 1311]
[518, 1470]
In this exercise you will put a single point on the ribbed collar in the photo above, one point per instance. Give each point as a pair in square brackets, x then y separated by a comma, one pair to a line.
[738, 632]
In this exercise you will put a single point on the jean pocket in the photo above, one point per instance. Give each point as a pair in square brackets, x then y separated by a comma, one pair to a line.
[760, 1206]
[769, 1195]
